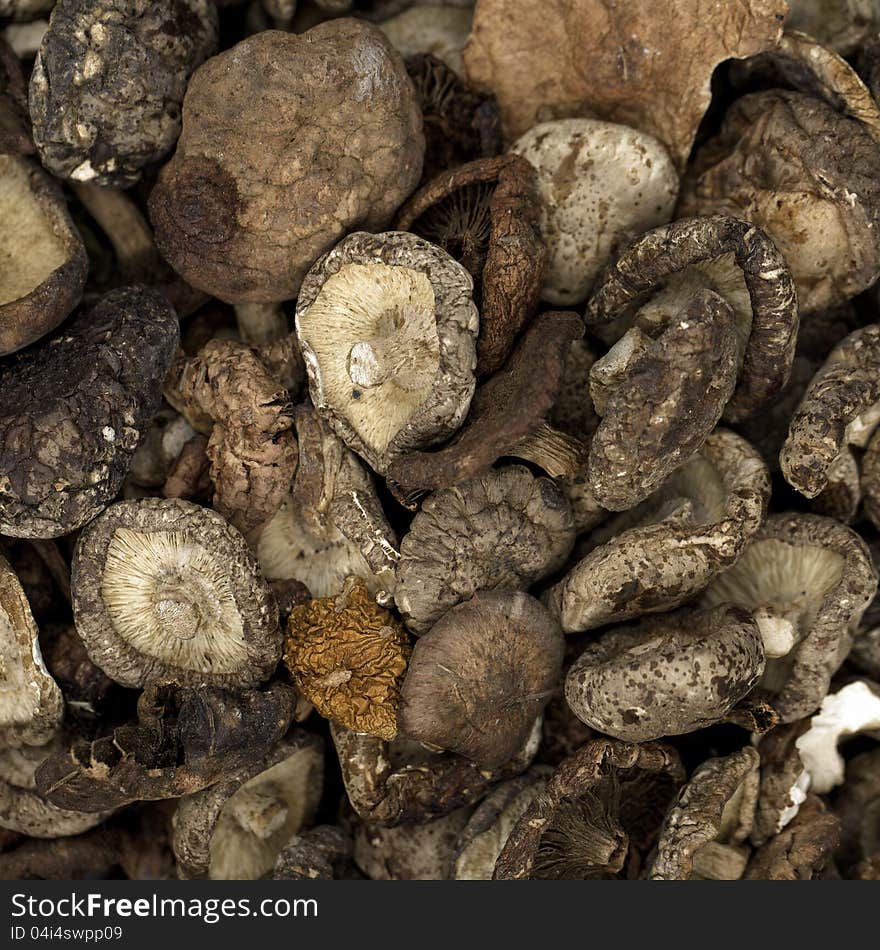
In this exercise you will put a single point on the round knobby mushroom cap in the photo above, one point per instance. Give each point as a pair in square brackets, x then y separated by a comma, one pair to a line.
[45, 263]
[237, 211]
[165, 589]
[503, 530]
[599, 184]
[806, 580]
[704, 829]
[109, 80]
[666, 675]
[387, 328]
[73, 408]
[661, 553]
[479, 679]
[439, 30]
[235, 829]
[31, 704]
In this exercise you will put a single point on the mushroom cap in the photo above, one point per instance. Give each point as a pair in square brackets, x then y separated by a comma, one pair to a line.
[801, 850]
[387, 328]
[666, 675]
[45, 260]
[237, 211]
[31, 704]
[479, 679]
[108, 82]
[165, 589]
[502, 530]
[600, 184]
[439, 30]
[73, 409]
[784, 781]
[323, 853]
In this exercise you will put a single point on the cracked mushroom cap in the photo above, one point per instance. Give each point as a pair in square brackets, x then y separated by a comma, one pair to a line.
[600, 184]
[806, 580]
[108, 83]
[73, 408]
[704, 830]
[238, 211]
[236, 829]
[666, 675]
[165, 589]
[388, 328]
[479, 679]
[31, 704]
[667, 549]
[503, 530]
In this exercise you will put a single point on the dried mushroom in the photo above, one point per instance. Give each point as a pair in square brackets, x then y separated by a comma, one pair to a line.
[88, 693]
[186, 738]
[238, 212]
[15, 123]
[504, 530]
[348, 656]
[799, 852]
[600, 184]
[439, 30]
[703, 832]
[108, 83]
[73, 408]
[387, 328]
[486, 215]
[479, 679]
[806, 580]
[164, 588]
[323, 853]
[838, 24]
[159, 448]
[784, 781]
[236, 829]
[857, 806]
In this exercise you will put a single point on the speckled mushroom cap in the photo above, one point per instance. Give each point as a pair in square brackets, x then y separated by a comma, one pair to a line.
[807, 580]
[388, 331]
[45, 262]
[661, 553]
[600, 184]
[164, 588]
[666, 675]
[502, 530]
[31, 704]
[235, 829]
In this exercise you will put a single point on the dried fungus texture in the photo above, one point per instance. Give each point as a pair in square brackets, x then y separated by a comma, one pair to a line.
[784, 781]
[348, 656]
[274, 166]
[73, 409]
[323, 853]
[503, 530]
[638, 64]
[252, 447]
[108, 83]
[801, 851]
[15, 122]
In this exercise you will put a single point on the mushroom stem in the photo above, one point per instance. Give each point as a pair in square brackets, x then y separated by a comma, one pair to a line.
[261, 323]
[558, 453]
[260, 813]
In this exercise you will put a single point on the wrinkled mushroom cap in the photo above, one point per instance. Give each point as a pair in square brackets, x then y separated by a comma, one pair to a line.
[164, 588]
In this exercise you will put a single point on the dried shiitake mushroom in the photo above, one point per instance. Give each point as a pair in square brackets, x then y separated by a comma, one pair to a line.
[159, 448]
[439, 30]
[504, 530]
[235, 829]
[478, 680]
[347, 656]
[806, 580]
[274, 166]
[164, 588]
[323, 853]
[108, 83]
[666, 675]
[799, 852]
[857, 806]
[73, 408]
[784, 781]
[388, 328]
[599, 185]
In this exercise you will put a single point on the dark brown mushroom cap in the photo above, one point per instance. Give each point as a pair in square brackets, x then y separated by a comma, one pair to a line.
[323, 853]
[666, 675]
[186, 738]
[784, 781]
[73, 408]
[486, 215]
[108, 83]
[646, 778]
[165, 589]
[846, 387]
[479, 679]
[771, 334]
[707, 803]
[237, 213]
[801, 850]
[235, 829]
[503, 530]
[15, 123]
[45, 261]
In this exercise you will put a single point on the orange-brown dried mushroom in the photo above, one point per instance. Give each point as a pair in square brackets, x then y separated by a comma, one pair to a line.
[347, 655]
